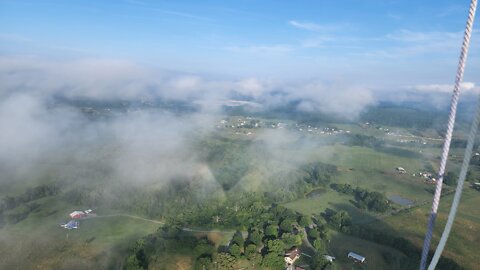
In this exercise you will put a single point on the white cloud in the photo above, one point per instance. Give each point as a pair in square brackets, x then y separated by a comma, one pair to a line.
[334, 98]
[408, 43]
[110, 79]
[467, 87]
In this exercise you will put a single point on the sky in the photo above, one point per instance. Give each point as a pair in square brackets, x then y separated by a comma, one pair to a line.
[375, 42]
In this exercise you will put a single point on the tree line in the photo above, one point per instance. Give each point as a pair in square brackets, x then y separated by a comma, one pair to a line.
[371, 200]
[16, 208]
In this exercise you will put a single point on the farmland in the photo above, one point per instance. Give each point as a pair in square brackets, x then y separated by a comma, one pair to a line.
[252, 172]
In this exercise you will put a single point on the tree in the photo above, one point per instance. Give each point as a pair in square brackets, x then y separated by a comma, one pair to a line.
[450, 179]
[320, 262]
[203, 248]
[250, 250]
[275, 246]
[291, 240]
[255, 237]
[305, 221]
[470, 177]
[318, 245]
[340, 220]
[138, 258]
[235, 251]
[323, 231]
[224, 261]
[271, 231]
[286, 225]
[313, 233]
[203, 263]
[273, 261]
[133, 263]
[238, 239]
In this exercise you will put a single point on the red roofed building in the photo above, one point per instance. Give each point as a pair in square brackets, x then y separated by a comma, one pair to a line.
[291, 256]
[77, 214]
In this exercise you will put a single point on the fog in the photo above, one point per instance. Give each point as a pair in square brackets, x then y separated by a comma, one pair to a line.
[146, 145]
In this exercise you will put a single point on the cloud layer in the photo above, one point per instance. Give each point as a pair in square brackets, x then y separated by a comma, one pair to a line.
[106, 79]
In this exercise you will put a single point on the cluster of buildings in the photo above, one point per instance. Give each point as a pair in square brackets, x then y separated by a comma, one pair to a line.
[412, 141]
[427, 177]
[293, 254]
[324, 131]
[81, 214]
[252, 123]
[76, 216]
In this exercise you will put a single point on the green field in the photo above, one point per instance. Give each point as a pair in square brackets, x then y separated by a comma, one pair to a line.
[464, 237]
[341, 244]
[245, 164]
[97, 243]
[371, 169]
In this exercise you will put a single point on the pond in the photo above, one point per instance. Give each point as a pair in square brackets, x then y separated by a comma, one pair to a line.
[316, 193]
[400, 200]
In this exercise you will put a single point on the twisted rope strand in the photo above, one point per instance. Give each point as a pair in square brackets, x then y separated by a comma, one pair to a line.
[448, 135]
[458, 192]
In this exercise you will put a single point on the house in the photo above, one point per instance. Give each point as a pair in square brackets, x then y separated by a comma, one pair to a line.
[77, 214]
[356, 257]
[291, 256]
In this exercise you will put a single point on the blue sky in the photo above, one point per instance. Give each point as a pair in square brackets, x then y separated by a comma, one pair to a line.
[369, 42]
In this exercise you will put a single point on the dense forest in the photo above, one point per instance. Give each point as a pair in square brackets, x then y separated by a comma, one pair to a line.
[266, 238]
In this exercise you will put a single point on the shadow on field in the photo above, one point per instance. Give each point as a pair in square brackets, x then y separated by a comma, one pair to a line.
[379, 243]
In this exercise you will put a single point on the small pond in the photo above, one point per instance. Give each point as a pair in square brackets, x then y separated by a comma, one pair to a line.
[400, 200]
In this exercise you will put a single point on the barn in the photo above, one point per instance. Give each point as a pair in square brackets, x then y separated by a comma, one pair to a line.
[77, 214]
[356, 257]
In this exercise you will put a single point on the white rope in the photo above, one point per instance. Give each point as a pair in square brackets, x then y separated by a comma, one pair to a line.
[448, 135]
[458, 192]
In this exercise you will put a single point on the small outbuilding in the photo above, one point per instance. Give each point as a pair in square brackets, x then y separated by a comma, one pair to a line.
[476, 186]
[72, 224]
[329, 258]
[356, 257]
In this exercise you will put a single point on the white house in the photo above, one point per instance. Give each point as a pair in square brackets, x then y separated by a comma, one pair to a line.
[291, 256]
